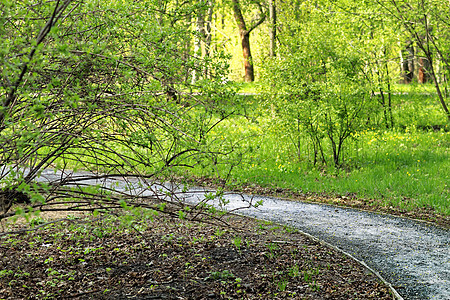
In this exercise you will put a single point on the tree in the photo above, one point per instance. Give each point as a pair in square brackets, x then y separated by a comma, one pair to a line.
[244, 34]
[203, 28]
[407, 62]
[428, 28]
[318, 86]
[273, 27]
[84, 86]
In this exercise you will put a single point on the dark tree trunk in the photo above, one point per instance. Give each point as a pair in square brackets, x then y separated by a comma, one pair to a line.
[248, 63]
[273, 28]
[244, 34]
[408, 64]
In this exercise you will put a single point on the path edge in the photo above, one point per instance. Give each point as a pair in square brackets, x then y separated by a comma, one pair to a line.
[393, 290]
[395, 294]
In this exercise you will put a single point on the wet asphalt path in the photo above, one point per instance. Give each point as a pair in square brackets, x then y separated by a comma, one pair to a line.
[414, 257]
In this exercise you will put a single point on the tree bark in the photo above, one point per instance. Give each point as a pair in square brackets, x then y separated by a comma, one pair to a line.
[244, 35]
[248, 60]
[198, 40]
[424, 66]
[439, 92]
[204, 19]
[408, 64]
[273, 27]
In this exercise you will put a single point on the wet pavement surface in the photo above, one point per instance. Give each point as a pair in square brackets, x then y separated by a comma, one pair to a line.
[413, 256]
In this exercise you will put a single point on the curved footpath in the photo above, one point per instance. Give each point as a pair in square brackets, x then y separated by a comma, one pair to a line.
[412, 256]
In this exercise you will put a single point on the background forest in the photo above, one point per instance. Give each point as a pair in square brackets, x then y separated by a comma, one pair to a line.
[339, 98]
[343, 97]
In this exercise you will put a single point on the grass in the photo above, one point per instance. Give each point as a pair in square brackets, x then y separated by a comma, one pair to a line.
[407, 167]
[404, 169]
[248, 87]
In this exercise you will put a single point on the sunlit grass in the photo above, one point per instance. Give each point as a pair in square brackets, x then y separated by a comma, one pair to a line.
[406, 169]
[414, 88]
[248, 87]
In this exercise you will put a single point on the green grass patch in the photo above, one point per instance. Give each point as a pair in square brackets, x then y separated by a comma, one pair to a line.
[407, 174]
[406, 167]
[248, 87]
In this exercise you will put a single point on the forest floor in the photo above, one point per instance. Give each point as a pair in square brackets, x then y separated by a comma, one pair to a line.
[164, 257]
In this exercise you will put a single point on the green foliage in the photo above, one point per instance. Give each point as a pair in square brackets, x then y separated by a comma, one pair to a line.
[405, 167]
[272, 250]
[237, 241]
[104, 87]
[317, 87]
[107, 88]
[282, 284]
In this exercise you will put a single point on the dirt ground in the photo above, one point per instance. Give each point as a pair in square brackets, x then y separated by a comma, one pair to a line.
[161, 257]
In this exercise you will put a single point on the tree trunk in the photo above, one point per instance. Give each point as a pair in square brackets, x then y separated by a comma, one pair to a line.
[248, 63]
[208, 35]
[408, 64]
[424, 66]
[187, 49]
[198, 41]
[438, 90]
[244, 35]
[273, 28]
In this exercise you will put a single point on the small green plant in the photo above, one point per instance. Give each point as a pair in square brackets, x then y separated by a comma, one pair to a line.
[290, 229]
[237, 241]
[294, 271]
[92, 250]
[219, 232]
[272, 250]
[168, 237]
[238, 284]
[37, 221]
[198, 239]
[308, 275]
[221, 275]
[4, 273]
[314, 286]
[48, 260]
[282, 284]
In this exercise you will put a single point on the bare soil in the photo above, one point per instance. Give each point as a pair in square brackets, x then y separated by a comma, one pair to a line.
[161, 257]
